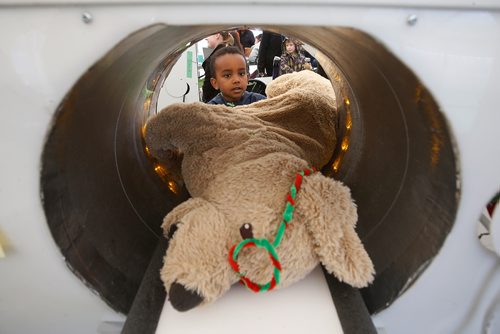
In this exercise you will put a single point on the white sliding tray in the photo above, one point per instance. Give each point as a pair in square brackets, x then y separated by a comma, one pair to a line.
[304, 307]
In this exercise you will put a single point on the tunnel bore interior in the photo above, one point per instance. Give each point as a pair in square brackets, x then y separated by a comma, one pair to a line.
[104, 202]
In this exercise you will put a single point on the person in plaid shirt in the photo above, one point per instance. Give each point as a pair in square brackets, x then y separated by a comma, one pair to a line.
[292, 59]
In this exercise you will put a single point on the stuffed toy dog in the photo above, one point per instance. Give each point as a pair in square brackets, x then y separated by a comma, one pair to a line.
[259, 212]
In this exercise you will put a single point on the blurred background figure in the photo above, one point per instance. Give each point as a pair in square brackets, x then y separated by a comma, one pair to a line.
[270, 46]
[247, 38]
[301, 46]
[254, 53]
[237, 41]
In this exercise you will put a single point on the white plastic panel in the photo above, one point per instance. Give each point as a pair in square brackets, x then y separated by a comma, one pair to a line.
[481, 4]
[181, 84]
[43, 51]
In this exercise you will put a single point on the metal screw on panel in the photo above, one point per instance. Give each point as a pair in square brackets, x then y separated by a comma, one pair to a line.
[87, 17]
[411, 20]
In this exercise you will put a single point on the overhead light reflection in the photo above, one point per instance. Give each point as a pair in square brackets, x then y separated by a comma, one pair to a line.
[344, 143]
[166, 177]
[435, 123]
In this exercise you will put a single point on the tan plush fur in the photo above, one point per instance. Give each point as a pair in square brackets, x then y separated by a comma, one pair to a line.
[238, 165]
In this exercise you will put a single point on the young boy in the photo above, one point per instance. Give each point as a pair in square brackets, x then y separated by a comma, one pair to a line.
[230, 76]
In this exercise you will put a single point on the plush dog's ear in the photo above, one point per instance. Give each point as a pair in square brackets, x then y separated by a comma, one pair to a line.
[195, 267]
[331, 216]
[175, 216]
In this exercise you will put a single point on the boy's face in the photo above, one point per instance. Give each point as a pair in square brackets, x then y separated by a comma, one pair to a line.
[290, 47]
[230, 76]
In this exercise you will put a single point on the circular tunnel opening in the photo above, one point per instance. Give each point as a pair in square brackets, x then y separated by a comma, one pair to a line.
[104, 199]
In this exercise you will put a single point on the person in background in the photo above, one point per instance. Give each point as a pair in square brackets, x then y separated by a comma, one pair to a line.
[270, 46]
[247, 38]
[258, 38]
[254, 53]
[301, 47]
[230, 76]
[237, 41]
[292, 59]
[216, 42]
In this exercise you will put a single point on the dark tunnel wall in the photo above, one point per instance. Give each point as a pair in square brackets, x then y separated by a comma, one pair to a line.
[104, 202]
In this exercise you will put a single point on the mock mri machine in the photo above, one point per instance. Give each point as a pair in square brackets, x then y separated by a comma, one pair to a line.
[417, 86]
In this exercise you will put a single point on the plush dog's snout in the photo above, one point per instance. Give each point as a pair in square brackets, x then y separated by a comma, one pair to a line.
[182, 299]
